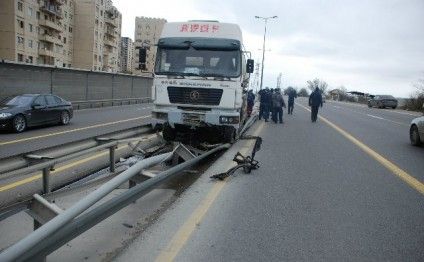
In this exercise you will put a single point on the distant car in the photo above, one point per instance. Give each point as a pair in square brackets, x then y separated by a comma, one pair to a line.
[22, 111]
[383, 101]
[416, 131]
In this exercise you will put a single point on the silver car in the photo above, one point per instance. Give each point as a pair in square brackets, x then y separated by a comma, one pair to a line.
[416, 131]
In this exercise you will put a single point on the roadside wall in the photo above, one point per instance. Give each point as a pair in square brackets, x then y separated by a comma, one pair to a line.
[71, 84]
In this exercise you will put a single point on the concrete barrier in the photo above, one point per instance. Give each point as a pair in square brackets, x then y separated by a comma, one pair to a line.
[71, 84]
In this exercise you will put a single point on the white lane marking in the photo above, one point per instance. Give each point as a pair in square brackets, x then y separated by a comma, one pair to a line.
[373, 116]
[402, 112]
[397, 111]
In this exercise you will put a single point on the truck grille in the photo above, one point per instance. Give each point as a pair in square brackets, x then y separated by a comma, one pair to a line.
[194, 96]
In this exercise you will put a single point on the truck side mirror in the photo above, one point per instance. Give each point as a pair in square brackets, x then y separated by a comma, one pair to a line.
[250, 66]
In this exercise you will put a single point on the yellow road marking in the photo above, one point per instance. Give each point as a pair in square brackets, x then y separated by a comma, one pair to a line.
[184, 232]
[72, 130]
[57, 170]
[410, 180]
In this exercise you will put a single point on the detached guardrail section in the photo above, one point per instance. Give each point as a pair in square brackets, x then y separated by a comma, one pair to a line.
[66, 225]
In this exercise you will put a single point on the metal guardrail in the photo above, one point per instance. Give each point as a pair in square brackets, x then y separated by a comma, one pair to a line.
[26, 159]
[109, 102]
[71, 223]
[49, 165]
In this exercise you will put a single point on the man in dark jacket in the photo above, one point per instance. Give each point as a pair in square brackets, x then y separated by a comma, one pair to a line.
[315, 101]
[250, 102]
[265, 103]
[292, 95]
[278, 104]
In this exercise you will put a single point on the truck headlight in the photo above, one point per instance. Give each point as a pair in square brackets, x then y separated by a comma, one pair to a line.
[160, 115]
[229, 120]
[5, 115]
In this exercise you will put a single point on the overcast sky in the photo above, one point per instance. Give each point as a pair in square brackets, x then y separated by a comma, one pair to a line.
[374, 46]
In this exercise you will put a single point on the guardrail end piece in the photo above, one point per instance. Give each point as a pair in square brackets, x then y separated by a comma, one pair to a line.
[42, 210]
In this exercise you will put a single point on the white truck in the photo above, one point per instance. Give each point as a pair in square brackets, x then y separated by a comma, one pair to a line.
[201, 74]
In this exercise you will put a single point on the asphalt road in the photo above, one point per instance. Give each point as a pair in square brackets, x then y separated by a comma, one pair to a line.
[85, 123]
[321, 194]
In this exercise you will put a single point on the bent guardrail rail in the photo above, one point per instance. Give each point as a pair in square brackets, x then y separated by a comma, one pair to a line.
[16, 252]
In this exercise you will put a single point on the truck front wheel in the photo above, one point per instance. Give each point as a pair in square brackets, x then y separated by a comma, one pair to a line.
[168, 132]
[230, 134]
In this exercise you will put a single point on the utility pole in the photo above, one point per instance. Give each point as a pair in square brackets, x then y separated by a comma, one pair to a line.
[279, 80]
[263, 48]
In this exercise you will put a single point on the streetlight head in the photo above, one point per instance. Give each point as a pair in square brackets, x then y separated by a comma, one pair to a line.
[275, 16]
[256, 16]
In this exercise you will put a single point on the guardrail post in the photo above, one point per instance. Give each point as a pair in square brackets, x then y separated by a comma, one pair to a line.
[46, 180]
[112, 158]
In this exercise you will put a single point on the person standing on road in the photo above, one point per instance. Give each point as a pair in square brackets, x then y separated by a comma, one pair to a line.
[292, 95]
[271, 106]
[250, 102]
[265, 101]
[278, 104]
[315, 101]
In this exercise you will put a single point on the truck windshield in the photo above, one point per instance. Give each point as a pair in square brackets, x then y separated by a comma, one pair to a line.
[198, 62]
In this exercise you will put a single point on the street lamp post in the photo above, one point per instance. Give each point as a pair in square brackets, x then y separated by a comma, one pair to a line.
[263, 48]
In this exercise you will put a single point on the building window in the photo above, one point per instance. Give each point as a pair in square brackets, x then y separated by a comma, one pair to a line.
[64, 65]
[29, 11]
[20, 57]
[38, 30]
[20, 40]
[101, 12]
[21, 24]
[20, 7]
[30, 42]
[38, 15]
[30, 59]
[64, 40]
[70, 29]
[30, 28]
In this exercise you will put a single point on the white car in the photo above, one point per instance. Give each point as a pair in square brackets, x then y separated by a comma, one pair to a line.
[416, 131]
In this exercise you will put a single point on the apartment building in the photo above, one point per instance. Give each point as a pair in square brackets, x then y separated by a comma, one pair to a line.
[37, 31]
[147, 33]
[127, 50]
[97, 35]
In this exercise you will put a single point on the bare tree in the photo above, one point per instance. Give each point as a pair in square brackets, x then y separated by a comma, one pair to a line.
[288, 90]
[303, 92]
[419, 85]
[313, 84]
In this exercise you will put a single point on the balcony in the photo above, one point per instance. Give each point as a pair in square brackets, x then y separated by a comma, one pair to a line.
[52, 10]
[50, 24]
[46, 52]
[111, 21]
[109, 42]
[50, 39]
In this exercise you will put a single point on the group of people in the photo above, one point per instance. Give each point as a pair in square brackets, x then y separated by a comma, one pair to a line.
[272, 102]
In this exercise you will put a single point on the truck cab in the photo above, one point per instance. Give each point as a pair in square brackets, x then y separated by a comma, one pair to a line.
[201, 73]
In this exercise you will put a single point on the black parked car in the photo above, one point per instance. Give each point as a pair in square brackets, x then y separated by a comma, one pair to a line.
[20, 112]
[383, 101]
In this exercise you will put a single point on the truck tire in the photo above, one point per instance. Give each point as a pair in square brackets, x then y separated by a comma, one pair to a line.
[230, 134]
[168, 133]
